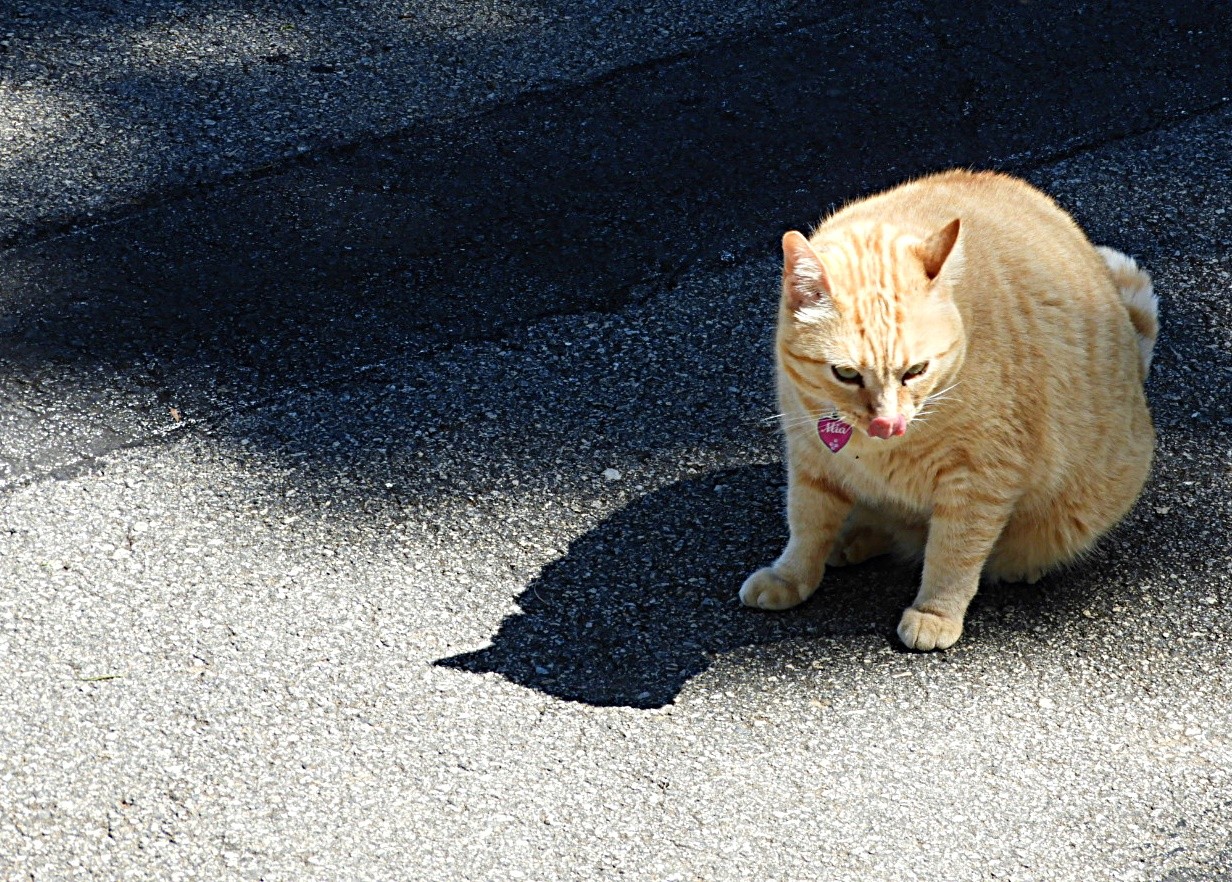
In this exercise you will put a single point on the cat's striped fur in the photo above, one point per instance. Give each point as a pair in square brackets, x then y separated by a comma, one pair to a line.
[1025, 436]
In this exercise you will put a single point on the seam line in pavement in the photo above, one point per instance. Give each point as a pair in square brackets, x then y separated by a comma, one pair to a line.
[547, 92]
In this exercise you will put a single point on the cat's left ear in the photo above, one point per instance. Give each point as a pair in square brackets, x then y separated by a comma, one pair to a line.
[934, 250]
[806, 283]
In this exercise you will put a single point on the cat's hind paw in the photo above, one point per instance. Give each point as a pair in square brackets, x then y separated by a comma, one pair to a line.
[766, 589]
[924, 630]
[859, 545]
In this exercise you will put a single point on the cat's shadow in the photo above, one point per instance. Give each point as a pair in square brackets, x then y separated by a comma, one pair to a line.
[640, 604]
[643, 602]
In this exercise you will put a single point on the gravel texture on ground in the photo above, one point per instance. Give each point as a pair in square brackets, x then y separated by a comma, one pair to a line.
[469, 613]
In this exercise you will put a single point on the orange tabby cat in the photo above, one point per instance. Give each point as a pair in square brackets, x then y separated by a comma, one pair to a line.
[959, 370]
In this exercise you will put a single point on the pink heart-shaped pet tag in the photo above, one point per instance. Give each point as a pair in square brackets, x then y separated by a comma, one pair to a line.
[834, 433]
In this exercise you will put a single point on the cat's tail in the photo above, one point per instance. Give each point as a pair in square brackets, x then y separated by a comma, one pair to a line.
[1139, 298]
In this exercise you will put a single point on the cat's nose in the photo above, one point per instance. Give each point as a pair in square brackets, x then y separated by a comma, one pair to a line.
[887, 427]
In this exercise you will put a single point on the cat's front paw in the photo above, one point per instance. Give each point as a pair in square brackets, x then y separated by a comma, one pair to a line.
[924, 630]
[767, 589]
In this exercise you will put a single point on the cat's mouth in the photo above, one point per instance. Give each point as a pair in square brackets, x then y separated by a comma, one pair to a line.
[887, 426]
[883, 428]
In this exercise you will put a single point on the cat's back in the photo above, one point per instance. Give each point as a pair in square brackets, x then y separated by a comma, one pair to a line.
[1021, 264]
[1003, 217]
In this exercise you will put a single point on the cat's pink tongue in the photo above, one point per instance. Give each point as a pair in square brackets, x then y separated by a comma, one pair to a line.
[887, 427]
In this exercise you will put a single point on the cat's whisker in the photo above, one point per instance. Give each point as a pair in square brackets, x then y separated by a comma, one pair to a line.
[799, 417]
[789, 424]
[940, 395]
[776, 416]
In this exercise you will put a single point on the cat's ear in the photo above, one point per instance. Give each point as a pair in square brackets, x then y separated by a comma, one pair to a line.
[806, 283]
[936, 248]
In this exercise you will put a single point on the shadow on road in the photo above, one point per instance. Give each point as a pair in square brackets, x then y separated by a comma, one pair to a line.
[584, 199]
[640, 605]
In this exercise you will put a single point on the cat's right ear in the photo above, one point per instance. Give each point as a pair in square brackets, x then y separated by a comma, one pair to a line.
[804, 275]
[934, 250]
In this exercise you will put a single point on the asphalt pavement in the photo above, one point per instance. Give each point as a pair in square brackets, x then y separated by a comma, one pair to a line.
[111, 104]
[377, 510]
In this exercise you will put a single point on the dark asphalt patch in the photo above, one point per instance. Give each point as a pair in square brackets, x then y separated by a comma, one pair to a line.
[583, 199]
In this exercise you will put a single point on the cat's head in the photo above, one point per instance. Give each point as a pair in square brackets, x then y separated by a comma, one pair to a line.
[868, 327]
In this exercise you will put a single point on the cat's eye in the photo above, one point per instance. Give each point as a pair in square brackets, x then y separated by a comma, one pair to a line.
[915, 370]
[847, 374]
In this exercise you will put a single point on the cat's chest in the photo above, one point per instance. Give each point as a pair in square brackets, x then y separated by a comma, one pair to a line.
[884, 473]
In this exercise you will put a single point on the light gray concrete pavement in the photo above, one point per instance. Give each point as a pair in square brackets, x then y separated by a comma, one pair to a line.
[401, 625]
